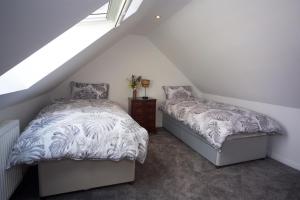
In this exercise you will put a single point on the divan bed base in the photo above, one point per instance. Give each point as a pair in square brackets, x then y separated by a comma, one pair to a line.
[56, 177]
[233, 151]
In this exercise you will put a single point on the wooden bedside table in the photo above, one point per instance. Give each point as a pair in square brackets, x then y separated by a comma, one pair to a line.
[143, 112]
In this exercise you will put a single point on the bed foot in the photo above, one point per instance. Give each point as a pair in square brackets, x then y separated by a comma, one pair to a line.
[56, 178]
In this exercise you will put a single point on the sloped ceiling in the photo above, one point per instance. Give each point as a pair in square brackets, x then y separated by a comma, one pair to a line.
[28, 25]
[237, 48]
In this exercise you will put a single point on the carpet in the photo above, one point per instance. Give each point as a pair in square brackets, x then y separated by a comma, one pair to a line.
[172, 170]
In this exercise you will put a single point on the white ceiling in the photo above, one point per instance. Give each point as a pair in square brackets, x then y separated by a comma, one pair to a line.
[164, 8]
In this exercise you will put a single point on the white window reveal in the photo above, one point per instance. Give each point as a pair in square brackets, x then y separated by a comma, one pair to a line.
[98, 15]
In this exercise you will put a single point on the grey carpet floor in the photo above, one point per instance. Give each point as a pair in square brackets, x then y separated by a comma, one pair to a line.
[174, 171]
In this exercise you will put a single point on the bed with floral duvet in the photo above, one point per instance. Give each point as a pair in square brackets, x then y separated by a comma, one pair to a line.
[215, 121]
[81, 129]
[81, 144]
[216, 124]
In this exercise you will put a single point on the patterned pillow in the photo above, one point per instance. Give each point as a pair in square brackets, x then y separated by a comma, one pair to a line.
[176, 92]
[89, 90]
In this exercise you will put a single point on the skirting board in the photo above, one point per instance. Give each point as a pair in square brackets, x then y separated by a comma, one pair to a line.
[56, 177]
[285, 161]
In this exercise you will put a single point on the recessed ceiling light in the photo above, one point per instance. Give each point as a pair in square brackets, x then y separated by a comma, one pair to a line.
[157, 17]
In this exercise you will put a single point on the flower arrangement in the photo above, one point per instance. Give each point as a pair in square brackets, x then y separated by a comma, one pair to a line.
[134, 82]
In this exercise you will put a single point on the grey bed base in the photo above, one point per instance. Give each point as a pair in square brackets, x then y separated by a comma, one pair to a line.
[56, 177]
[235, 150]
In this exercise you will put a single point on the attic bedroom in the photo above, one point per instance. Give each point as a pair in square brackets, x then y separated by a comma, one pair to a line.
[149, 99]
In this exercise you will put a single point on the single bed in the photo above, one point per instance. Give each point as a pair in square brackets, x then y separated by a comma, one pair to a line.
[222, 133]
[235, 149]
[81, 144]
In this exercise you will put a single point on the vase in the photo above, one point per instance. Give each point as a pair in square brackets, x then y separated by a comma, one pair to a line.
[134, 93]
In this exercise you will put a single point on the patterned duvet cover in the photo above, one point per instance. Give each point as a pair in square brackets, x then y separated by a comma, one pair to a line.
[215, 121]
[81, 129]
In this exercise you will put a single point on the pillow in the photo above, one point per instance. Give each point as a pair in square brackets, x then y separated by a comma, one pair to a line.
[89, 90]
[175, 92]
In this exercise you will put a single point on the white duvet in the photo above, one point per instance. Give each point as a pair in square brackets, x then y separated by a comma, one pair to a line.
[216, 121]
[81, 129]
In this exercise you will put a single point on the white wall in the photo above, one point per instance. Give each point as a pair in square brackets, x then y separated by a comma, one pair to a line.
[132, 55]
[237, 48]
[25, 111]
[284, 148]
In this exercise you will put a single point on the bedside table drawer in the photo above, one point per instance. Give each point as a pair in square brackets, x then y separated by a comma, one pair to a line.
[137, 103]
[150, 118]
[149, 110]
[137, 111]
[143, 112]
[150, 103]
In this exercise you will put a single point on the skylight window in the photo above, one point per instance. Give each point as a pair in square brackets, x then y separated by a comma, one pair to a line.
[66, 46]
[134, 6]
[98, 15]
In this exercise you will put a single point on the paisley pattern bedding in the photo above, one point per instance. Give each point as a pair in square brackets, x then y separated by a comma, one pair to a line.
[215, 121]
[81, 129]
